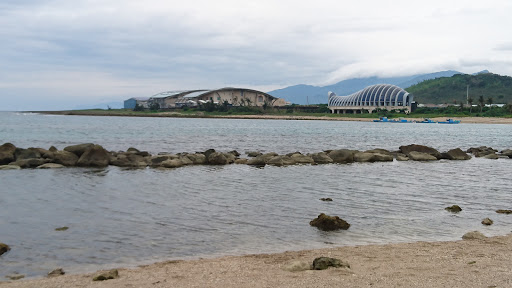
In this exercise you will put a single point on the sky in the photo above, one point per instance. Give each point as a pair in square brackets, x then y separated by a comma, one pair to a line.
[61, 54]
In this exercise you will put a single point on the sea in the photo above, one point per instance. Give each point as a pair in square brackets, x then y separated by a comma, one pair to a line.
[121, 217]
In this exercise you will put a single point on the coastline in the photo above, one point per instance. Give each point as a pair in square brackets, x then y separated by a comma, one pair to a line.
[467, 120]
[463, 263]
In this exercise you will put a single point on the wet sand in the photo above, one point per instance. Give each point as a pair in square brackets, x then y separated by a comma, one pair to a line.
[464, 263]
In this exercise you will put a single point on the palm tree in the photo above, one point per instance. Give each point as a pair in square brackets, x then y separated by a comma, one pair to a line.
[481, 101]
[470, 102]
[489, 101]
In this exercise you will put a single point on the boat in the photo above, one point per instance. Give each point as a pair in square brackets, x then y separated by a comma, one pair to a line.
[385, 119]
[382, 119]
[426, 120]
[449, 121]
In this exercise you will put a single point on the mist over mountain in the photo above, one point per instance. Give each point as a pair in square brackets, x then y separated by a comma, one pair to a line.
[308, 94]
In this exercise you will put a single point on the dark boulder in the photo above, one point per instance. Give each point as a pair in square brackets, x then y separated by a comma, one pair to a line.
[112, 274]
[329, 223]
[456, 154]
[322, 263]
[95, 156]
[217, 158]
[253, 153]
[4, 248]
[62, 157]
[23, 154]
[7, 153]
[234, 153]
[30, 163]
[487, 222]
[453, 209]
[132, 150]
[326, 199]
[56, 272]
[420, 148]
[342, 156]
[53, 149]
[79, 149]
[197, 159]
[208, 152]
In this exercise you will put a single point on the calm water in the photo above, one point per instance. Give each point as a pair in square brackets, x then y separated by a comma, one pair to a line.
[121, 217]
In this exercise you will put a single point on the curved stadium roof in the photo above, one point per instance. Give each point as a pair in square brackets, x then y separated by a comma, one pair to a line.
[375, 95]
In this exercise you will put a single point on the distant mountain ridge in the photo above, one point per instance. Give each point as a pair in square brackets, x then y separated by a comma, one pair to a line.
[308, 94]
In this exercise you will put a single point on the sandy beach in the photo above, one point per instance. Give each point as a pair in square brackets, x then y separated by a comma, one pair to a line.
[478, 120]
[464, 263]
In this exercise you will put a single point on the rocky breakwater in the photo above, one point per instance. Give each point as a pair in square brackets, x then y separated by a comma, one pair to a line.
[93, 155]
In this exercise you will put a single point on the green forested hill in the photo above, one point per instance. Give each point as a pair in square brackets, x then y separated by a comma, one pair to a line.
[451, 89]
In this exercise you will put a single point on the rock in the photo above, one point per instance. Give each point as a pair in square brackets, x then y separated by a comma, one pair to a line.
[253, 153]
[30, 163]
[329, 223]
[507, 152]
[379, 151]
[420, 156]
[15, 277]
[62, 157]
[56, 272]
[487, 221]
[326, 199]
[491, 156]
[197, 159]
[501, 211]
[50, 166]
[268, 156]
[321, 158]
[65, 228]
[456, 154]
[4, 248]
[481, 151]
[7, 153]
[95, 156]
[363, 157]
[401, 157]
[230, 157]
[172, 163]
[132, 150]
[79, 149]
[157, 161]
[474, 235]
[281, 160]
[302, 159]
[208, 152]
[453, 209]
[322, 263]
[241, 161]
[420, 148]
[53, 149]
[23, 154]
[257, 161]
[342, 156]
[129, 159]
[10, 167]
[379, 157]
[217, 158]
[112, 274]
[234, 153]
[186, 161]
[297, 266]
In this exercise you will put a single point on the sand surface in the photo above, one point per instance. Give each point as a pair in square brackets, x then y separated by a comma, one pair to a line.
[465, 263]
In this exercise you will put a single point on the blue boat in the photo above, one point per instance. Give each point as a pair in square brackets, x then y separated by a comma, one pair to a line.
[385, 119]
[449, 121]
[426, 120]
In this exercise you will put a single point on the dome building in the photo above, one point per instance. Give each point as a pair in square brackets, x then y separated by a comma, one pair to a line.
[379, 96]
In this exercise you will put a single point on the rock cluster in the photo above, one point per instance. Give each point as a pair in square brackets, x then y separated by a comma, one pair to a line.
[93, 155]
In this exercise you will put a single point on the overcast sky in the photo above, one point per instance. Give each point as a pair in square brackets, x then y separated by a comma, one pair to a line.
[61, 54]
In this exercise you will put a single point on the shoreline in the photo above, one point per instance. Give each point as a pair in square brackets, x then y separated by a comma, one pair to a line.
[466, 120]
[462, 263]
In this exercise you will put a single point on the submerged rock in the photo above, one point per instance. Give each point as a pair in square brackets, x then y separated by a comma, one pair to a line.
[326, 199]
[62, 228]
[453, 209]
[487, 222]
[329, 223]
[501, 211]
[112, 274]
[474, 235]
[322, 263]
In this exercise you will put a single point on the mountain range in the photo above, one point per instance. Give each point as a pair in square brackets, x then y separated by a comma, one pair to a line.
[308, 94]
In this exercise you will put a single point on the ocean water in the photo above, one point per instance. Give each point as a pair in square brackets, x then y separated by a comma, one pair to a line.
[125, 217]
